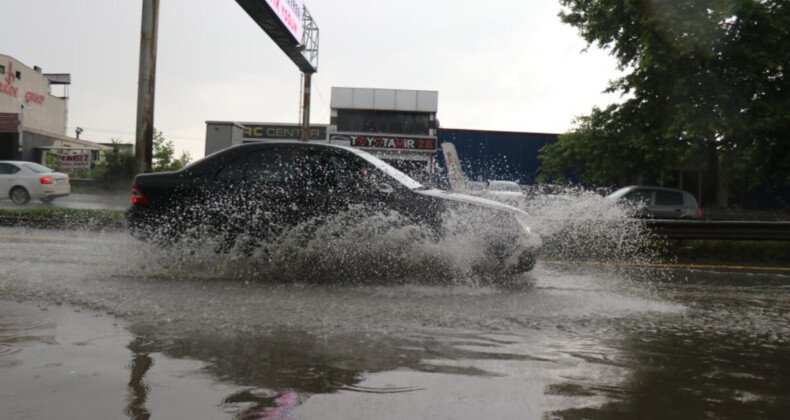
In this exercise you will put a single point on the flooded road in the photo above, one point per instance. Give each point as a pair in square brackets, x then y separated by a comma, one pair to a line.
[97, 326]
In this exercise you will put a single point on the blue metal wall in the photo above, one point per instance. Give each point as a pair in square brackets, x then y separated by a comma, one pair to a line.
[487, 155]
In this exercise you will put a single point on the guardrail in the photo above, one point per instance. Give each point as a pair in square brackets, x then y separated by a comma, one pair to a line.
[708, 229]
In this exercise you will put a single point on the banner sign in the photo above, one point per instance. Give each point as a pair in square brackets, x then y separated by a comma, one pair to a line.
[68, 160]
[387, 142]
[454, 171]
[281, 132]
[290, 13]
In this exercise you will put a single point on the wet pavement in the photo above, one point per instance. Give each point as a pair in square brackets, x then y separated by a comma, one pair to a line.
[92, 201]
[97, 326]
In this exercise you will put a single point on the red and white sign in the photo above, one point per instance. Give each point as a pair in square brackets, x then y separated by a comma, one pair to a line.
[390, 142]
[290, 13]
[73, 160]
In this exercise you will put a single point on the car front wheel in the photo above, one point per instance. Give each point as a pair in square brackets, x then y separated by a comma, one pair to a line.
[19, 195]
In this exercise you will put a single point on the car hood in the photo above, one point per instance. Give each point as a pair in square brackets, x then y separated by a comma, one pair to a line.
[505, 193]
[463, 198]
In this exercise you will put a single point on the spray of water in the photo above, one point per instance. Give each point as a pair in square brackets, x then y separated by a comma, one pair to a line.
[473, 246]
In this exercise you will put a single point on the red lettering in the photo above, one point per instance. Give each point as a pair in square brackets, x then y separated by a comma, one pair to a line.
[9, 90]
[34, 97]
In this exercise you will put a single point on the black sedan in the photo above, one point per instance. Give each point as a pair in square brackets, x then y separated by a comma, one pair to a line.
[263, 189]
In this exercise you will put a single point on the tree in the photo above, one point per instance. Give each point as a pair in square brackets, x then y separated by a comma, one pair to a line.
[117, 166]
[705, 80]
[163, 155]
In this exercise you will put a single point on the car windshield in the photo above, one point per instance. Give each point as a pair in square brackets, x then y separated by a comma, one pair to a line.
[389, 170]
[40, 169]
[504, 186]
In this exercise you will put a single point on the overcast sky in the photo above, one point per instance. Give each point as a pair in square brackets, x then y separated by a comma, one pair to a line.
[504, 65]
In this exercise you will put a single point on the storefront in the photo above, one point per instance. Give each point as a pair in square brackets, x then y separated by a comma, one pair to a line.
[398, 126]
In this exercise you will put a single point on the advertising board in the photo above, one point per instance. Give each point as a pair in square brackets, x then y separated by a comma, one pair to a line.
[67, 160]
[290, 13]
[386, 141]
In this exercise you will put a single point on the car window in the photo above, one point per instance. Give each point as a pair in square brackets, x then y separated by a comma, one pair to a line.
[8, 169]
[35, 167]
[669, 198]
[272, 166]
[339, 171]
[639, 197]
[234, 171]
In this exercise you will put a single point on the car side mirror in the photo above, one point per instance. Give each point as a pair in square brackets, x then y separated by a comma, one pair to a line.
[385, 188]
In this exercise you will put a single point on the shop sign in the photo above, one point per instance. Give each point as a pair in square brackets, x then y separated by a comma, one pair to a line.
[68, 160]
[281, 132]
[7, 87]
[387, 142]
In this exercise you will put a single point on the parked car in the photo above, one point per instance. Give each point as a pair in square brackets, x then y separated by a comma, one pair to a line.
[658, 202]
[24, 181]
[258, 188]
[508, 192]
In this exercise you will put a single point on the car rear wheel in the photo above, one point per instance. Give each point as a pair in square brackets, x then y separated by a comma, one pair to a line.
[19, 195]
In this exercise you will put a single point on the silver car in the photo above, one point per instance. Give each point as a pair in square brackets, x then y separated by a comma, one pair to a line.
[22, 181]
[658, 202]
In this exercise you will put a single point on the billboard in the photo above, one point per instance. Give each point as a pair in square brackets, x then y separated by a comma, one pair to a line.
[290, 13]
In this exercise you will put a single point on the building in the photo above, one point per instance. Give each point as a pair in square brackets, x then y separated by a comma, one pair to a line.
[501, 155]
[398, 126]
[223, 134]
[34, 117]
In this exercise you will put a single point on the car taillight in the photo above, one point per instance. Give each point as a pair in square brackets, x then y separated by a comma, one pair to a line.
[700, 214]
[46, 180]
[137, 195]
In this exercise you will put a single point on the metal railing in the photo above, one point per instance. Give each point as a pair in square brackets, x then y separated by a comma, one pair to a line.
[726, 230]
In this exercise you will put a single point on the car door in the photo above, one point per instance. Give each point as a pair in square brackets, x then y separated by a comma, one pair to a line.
[5, 179]
[668, 204]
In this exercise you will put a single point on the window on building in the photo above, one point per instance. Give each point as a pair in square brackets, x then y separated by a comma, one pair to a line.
[369, 121]
[18, 75]
[2, 69]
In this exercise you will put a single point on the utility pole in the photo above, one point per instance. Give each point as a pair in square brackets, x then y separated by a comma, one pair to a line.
[306, 76]
[143, 149]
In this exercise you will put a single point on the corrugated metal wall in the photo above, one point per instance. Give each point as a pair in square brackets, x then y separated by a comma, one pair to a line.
[487, 155]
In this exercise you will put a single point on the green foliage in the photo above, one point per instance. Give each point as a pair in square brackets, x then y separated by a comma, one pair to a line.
[60, 218]
[164, 155]
[117, 165]
[705, 80]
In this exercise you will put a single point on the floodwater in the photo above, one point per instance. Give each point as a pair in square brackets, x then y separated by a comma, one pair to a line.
[101, 326]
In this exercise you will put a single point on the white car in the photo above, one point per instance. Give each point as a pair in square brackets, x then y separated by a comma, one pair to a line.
[22, 181]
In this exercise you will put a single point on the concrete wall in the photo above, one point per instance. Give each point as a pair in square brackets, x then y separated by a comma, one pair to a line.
[222, 134]
[29, 93]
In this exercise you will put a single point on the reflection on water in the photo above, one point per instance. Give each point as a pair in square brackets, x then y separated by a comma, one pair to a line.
[567, 342]
[138, 390]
